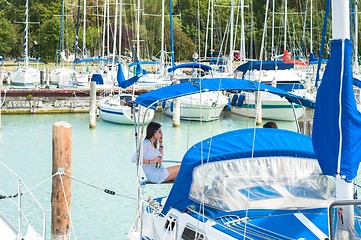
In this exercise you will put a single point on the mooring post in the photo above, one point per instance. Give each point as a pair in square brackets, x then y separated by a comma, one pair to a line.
[93, 104]
[61, 184]
[47, 77]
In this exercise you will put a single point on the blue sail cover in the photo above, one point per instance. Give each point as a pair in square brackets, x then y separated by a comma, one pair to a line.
[215, 84]
[356, 82]
[235, 144]
[121, 78]
[95, 59]
[337, 122]
[314, 60]
[191, 65]
[265, 65]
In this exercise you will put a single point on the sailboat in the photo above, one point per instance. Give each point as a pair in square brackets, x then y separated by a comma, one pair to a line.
[26, 75]
[203, 106]
[262, 183]
[120, 108]
[62, 76]
[214, 188]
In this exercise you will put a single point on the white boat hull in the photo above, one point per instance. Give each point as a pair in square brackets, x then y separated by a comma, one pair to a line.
[273, 108]
[206, 106]
[113, 110]
[62, 77]
[25, 76]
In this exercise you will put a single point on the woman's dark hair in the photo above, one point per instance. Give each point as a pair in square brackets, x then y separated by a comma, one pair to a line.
[270, 125]
[152, 126]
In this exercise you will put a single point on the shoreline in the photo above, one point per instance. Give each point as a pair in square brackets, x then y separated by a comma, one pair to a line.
[49, 100]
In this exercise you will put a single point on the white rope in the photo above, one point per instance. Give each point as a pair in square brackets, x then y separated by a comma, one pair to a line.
[67, 206]
[42, 182]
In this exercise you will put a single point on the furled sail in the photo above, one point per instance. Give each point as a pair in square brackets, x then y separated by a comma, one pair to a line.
[337, 122]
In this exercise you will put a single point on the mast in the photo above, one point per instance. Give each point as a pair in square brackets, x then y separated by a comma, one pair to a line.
[77, 32]
[26, 34]
[120, 26]
[355, 41]
[84, 30]
[344, 189]
[162, 43]
[285, 28]
[311, 31]
[243, 40]
[61, 33]
[171, 30]
[104, 25]
[231, 47]
[138, 29]
[273, 29]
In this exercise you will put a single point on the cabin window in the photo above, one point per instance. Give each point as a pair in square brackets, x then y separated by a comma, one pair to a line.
[190, 234]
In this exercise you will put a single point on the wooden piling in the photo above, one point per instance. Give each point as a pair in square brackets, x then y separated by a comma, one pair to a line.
[47, 76]
[258, 108]
[61, 199]
[176, 113]
[93, 105]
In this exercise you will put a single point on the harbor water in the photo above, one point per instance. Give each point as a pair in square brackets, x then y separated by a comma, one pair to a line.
[100, 160]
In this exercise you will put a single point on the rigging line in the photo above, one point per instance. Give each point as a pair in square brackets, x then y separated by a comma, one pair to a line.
[67, 206]
[101, 189]
[30, 189]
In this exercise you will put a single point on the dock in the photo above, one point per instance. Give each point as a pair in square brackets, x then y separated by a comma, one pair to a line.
[49, 100]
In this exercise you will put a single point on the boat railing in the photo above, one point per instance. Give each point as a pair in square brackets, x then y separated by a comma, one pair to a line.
[338, 204]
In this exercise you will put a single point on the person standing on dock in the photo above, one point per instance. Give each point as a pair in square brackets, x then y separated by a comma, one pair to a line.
[153, 152]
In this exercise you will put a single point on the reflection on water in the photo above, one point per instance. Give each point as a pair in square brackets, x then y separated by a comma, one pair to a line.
[100, 157]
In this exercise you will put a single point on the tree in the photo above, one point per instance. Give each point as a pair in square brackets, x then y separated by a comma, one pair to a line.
[7, 35]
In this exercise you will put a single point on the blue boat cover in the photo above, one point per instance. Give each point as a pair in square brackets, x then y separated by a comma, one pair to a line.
[191, 65]
[356, 82]
[95, 59]
[98, 78]
[314, 60]
[337, 122]
[266, 65]
[1, 58]
[215, 84]
[235, 144]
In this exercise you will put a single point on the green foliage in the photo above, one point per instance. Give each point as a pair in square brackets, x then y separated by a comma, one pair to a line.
[7, 35]
[191, 27]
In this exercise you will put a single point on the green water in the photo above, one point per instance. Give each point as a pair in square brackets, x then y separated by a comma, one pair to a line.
[100, 158]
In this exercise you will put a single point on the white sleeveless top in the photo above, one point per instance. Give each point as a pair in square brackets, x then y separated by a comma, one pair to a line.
[153, 174]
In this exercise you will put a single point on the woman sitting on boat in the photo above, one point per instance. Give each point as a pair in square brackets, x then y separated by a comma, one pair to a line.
[153, 152]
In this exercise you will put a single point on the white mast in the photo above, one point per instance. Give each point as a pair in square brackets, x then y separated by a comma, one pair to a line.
[84, 30]
[344, 190]
[104, 25]
[162, 43]
[138, 29]
[231, 47]
[115, 33]
[26, 32]
[243, 40]
[120, 26]
[207, 29]
[285, 28]
[355, 41]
